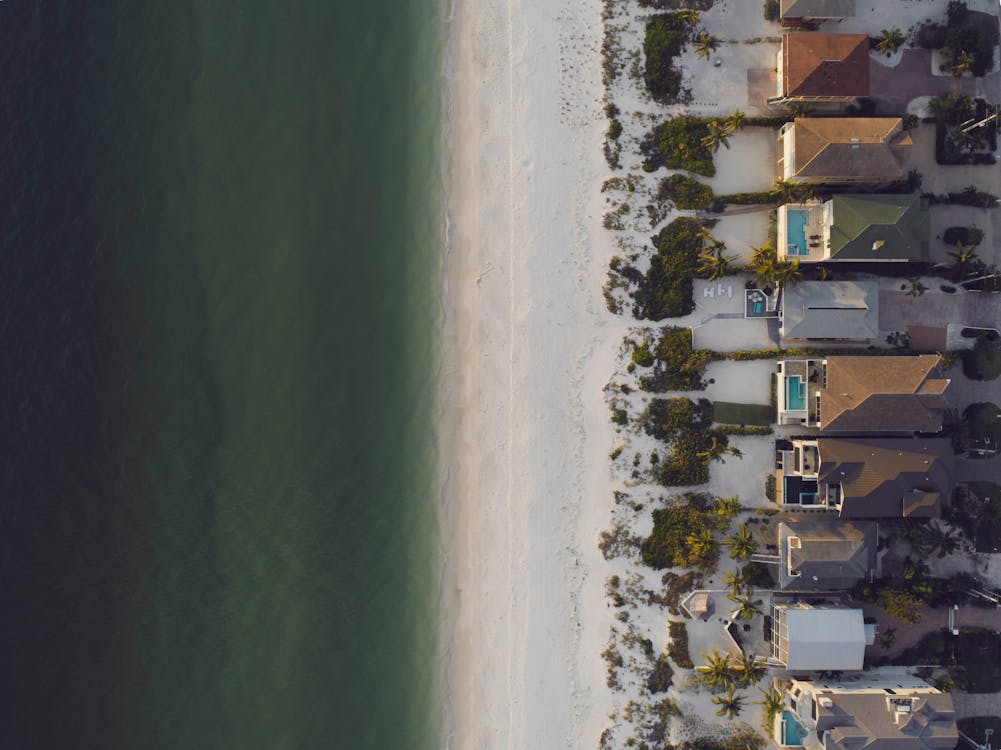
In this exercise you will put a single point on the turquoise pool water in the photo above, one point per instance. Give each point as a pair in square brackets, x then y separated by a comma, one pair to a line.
[795, 396]
[796, 232]
[792, 731]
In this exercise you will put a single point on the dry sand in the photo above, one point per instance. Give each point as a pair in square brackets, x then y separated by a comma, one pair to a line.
[528, 348]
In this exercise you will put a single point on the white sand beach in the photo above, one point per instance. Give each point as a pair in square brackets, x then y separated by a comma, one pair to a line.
[529, 346]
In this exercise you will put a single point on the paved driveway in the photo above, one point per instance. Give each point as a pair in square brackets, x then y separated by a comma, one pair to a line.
[897, 311]
[892, 88]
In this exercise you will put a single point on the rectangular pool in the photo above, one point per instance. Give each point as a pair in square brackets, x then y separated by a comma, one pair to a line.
[796, 232]
[793, 732]
[795, 393]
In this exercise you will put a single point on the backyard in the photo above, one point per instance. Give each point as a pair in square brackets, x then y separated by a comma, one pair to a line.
[983, 420]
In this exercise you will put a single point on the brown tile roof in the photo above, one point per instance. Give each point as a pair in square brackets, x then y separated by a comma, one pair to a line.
[883, 394]
[861, 148]
[888, 478]
[822, 65]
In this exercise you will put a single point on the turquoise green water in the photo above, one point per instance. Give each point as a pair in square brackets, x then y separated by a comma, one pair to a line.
[223, 227]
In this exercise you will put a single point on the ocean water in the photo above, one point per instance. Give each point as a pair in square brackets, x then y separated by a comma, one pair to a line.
[221, 226]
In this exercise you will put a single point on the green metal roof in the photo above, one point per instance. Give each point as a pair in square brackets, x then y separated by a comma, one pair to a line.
[880, 228]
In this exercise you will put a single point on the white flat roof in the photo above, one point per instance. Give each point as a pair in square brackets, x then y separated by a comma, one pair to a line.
[825, 639]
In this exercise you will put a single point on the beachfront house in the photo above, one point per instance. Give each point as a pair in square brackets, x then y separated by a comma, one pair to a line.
[823, 554]
[865, 477]
[829, 311]
[806, 12]
[894, 394]
[825, 637]
[822, 68]
[879, 710]
[856, 229]
[843, 150]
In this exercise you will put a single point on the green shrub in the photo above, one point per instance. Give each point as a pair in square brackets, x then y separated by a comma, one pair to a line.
[677, 649]
[963, 235]
[670, 543]
[739, 429]
[666, 290]
[771, 10]
[677, 144]
[614, 129]
[620, 416]
[678, 366]
[973, 33]
[770, 487]
[642, 355]
[930, 35]
[685, 192]
[688, 465]
[661, 676]
[664, 418]
[902, 605]
[666, 37]
[763, 197]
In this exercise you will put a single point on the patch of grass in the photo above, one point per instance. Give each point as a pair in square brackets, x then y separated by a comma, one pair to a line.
[667, 34]
[677, 144]
[987, 529]
[983, 420]
[726, 412]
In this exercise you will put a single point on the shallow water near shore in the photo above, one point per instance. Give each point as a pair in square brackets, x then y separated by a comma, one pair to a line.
[219, 304]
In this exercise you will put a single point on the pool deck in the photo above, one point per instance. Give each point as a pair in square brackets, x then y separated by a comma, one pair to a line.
[814, 228]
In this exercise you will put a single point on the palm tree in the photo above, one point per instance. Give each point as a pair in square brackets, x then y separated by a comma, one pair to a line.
[931, 538]
[736, 121]
[889, 40]
[718, 136]
[713, 264]
[705, 44]
[750, 669]
[962, 64]
[747, 606]
[741, 544]
[700, 544]
[717, 449]
[802, 109]
[787, 272]
[773, 701]
[730, 705]
[914, 287]
[947, 360]
[965, 260]
[718, 670]
[762, 266]
[736, 581]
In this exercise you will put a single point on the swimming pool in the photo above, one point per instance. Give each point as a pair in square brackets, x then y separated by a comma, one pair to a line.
[795, 393]
[796, 232]
[793, 732]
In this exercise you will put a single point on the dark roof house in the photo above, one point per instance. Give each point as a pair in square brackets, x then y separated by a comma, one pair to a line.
[830, 311]
[885, 477]
[825, 555]
[883, 394]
